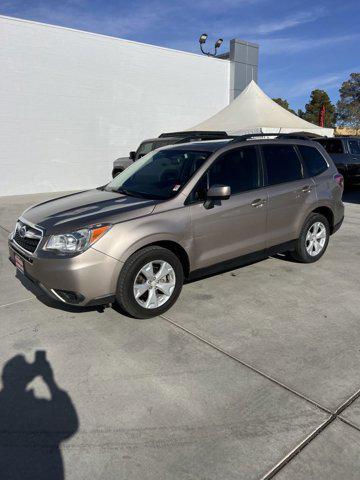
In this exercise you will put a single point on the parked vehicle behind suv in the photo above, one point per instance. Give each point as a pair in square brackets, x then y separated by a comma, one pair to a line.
[162, 140]
[345, 152]
[177, 211]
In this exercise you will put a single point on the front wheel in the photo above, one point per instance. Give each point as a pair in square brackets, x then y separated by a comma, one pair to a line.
[150, 282]
[313, 240]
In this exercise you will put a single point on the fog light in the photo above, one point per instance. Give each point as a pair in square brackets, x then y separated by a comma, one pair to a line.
[68, 297]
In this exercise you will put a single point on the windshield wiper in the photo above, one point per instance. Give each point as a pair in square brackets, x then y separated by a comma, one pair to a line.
[124, 191]
[130, 193]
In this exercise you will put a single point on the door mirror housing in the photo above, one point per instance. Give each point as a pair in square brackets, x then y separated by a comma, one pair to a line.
[217, 193]
[132, 156]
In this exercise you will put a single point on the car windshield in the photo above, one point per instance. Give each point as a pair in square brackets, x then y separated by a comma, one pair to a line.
[158, 175]
[145, 148]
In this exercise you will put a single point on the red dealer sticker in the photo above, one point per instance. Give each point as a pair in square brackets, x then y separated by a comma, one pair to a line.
[19, 263]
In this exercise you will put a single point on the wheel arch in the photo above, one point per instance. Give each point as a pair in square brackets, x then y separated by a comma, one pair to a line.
[328, 214]
[165, 242]
[177, 249]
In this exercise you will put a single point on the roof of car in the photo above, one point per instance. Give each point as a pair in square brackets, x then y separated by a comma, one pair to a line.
[177, 138]
[204, 146]
[157, 139]
[347, 137]
[214, 145]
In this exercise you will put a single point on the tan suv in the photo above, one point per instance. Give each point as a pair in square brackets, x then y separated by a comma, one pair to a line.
[179, 210]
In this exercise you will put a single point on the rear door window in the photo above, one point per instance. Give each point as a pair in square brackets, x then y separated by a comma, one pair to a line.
[314, 161]
[354, 147]
[282, 164]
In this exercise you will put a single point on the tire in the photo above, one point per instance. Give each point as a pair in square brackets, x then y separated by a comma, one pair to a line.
[116, 173]
[149, 304]
[303, 245]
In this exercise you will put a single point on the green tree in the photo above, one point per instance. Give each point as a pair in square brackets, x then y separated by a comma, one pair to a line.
[283, 103]
[318, 98]
[348, 107]
[301, 113]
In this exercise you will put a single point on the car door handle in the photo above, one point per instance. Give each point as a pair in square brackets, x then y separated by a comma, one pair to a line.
[259, 202]
[306, 188]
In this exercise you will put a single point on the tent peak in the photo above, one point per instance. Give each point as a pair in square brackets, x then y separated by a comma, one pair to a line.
[254, 111]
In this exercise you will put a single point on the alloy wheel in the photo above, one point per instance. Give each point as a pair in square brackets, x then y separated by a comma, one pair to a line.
[315, 239]
[154, 284]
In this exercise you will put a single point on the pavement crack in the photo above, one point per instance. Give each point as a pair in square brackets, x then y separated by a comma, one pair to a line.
[17, 301]
[347, 403]
[298, 448]
[251, 367]
[347, 422]
[5, 229]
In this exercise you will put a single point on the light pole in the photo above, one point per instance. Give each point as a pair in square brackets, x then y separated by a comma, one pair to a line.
[202, 40]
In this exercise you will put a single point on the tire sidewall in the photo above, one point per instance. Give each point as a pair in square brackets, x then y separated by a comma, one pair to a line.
[125, 294]
[313, 218]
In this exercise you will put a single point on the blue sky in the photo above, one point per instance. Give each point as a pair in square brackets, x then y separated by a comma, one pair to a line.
[303, 44]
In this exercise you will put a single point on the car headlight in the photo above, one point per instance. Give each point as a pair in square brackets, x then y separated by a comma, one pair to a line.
[76, 242]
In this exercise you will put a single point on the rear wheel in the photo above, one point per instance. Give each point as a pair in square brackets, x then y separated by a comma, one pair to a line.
[150, 282]
[313, 240]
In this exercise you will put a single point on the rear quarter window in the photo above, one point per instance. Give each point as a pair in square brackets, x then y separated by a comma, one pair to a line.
[315, 163]
[332, 145]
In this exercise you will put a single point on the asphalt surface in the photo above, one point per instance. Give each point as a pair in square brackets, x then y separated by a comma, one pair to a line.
[253, 374]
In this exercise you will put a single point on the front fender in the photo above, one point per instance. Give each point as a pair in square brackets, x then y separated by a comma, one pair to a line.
[126, 238]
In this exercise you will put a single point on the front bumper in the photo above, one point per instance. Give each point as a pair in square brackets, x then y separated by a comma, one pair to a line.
[86, 279]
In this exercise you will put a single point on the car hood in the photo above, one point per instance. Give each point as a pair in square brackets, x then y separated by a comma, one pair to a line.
[86, 208]
[119, 162]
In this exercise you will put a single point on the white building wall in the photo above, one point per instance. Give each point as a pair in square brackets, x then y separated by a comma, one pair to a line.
[71, 102]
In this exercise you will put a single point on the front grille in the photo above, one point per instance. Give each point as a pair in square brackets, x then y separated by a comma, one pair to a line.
[32, 237]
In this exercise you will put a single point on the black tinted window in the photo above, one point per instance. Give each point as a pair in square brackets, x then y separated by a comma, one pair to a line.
[145, 148]
[282, 164]
[238, 168]
[332, 145]
[354, 147]
[314, 161]
[163, 143]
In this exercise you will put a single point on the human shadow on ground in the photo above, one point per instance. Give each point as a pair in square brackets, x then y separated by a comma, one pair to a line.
[32, 429]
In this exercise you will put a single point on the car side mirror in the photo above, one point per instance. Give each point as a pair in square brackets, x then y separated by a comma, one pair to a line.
[132, 156]
[217, 193]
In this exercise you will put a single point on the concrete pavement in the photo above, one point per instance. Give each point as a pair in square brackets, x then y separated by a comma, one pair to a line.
[253, 374]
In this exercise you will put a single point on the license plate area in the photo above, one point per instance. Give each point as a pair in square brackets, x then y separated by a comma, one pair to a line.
[19, 263]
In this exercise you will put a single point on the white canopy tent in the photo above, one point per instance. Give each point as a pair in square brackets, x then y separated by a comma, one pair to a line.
[254, 112]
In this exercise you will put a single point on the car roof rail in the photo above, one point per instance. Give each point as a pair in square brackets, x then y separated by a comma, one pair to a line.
[277, 136]
[192, 138]
[197, 133]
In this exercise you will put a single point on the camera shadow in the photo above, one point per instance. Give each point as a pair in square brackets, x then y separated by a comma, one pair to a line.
[32, 429]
